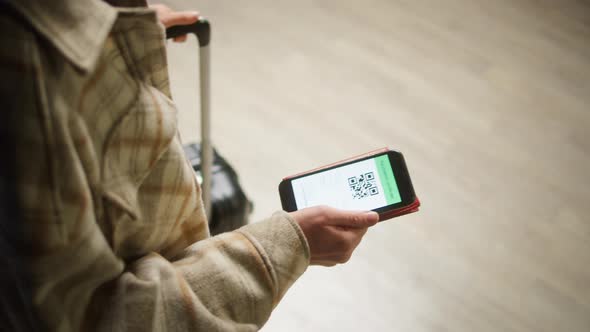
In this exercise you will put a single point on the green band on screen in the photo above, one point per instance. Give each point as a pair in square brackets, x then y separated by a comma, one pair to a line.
[388, 183]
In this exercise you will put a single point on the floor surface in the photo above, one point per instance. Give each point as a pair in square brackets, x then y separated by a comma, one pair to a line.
[490, 103]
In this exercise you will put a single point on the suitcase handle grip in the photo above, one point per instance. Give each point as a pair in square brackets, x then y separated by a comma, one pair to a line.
[201, 29]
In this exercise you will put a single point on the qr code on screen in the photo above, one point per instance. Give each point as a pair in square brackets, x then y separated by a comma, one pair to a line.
[363, 185]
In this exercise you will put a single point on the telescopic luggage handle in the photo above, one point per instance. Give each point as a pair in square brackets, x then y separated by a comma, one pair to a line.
[202, 30]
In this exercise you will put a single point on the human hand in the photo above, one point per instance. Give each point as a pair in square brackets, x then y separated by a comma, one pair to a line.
[333, 234]
[170, 18]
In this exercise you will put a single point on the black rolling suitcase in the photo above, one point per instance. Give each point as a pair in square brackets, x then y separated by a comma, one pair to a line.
[226, 203]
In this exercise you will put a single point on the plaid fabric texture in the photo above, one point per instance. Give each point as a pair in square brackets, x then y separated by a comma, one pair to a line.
[116, 236]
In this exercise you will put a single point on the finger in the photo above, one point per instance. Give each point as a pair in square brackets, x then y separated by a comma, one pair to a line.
[359, 232]
[180, 39]
[350, 231]
[354, 236]
[180, 18]
[353, 219]
[160, 8]
[325, 263]
[330, 260]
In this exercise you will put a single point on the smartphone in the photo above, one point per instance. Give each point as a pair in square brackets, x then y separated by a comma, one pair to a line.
[377, 181]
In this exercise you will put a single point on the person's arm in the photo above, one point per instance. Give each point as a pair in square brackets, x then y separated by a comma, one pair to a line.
[228, 282]
[232, 281]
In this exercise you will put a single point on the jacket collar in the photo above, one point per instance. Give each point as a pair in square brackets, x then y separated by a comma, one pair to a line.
[77, 28]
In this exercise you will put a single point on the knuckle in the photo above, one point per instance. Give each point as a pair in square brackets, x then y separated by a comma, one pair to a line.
[345, 245]
[346, 257]
[349, 254]
[323, 213]
[342, 244]
[356, 220]
[362, 233]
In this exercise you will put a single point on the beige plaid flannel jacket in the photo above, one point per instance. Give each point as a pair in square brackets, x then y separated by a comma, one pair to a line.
[113, 221]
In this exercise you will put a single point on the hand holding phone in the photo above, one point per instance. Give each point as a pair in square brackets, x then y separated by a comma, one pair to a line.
[377, 181]
[333, 234]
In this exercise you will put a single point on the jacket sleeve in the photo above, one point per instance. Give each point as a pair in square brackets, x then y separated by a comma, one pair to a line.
[228, 282]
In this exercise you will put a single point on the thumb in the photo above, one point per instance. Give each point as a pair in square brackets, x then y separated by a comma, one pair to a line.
[356, 219]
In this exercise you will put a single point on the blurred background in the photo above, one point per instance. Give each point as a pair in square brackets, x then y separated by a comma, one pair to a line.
[490, 103]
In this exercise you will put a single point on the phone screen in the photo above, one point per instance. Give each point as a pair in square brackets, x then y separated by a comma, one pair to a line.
[365, 185]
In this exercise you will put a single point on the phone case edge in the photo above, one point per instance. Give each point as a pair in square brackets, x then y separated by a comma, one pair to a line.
[414, 207]
[360, 156]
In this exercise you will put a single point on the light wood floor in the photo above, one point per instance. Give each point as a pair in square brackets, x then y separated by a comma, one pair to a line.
[490, 103]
